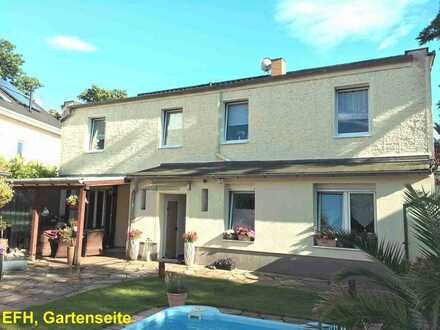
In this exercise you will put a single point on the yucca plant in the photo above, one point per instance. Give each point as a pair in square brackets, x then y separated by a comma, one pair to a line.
[403, 295]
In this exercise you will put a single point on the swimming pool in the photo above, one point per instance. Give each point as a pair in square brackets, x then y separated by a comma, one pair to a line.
[210, 318]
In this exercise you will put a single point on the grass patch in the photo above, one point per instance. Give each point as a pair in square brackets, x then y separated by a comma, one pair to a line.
[137, 295]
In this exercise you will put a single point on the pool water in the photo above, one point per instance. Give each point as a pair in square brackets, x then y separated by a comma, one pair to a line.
[210, 318]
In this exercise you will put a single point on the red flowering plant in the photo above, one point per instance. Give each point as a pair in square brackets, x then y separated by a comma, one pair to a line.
[190, 237]
[244, 233]
[134, 234]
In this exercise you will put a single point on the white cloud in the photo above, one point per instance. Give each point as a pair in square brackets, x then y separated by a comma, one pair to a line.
[70, 43]
[324, 23]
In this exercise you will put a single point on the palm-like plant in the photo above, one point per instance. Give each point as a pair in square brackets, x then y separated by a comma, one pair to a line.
[403, 295]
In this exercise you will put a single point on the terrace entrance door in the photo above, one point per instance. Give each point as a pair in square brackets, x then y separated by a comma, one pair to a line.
[171, 232]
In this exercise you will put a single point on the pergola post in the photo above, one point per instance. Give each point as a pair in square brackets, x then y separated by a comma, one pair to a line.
[80, 230]
[34, 234]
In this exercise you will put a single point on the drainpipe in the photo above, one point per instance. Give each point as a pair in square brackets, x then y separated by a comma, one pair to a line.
[405, 231]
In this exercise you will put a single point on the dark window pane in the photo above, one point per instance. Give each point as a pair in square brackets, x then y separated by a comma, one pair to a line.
[173, 128]
[330, 210]
[362, 212]
[243, 210]
[144, 199]
[97, 138]
[237, 121]
[352, 111]
[204, 200]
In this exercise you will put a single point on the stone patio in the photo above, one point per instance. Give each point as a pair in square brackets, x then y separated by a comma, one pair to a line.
[49, 279]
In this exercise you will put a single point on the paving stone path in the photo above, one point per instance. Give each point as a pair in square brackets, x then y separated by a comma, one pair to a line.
[51, 279]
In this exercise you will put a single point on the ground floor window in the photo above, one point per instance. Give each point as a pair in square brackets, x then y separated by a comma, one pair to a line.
[242, 211]
[347, 211]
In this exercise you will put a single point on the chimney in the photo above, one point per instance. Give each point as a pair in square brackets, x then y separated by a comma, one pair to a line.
[66, 108]
[278, 66]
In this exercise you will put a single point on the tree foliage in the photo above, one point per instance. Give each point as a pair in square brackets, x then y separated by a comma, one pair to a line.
[6, 192]
[54, 114]
[11, 69]
[402, 296]
[431, 32]
[21, 169]
[96, 94]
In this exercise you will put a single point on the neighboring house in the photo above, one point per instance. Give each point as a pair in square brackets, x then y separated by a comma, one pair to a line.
[285, 154]
[26, 131]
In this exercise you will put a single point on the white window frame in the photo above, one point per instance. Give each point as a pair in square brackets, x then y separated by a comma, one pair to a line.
[225, 126]
[92, 125]
[231, 204]
[165, 113]
[346, 216]
[336, 121]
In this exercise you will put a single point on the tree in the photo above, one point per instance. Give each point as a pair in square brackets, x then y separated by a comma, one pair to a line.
[403, 295]
[21, 169]
[11, 69]
[96, 94]
[55, 114]
[6, 192]
[431, 32]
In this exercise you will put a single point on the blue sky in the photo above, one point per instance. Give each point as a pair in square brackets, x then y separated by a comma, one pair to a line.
[143, 46]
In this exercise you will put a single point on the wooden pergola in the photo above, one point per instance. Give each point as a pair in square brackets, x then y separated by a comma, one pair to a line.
[83, 184]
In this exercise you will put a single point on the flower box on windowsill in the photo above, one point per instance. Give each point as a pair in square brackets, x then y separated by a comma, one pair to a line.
[237, 241]
[325, 242]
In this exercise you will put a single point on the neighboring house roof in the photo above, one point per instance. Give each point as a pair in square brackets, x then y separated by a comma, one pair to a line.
[310, 167]
[262, 79]
[19, 103]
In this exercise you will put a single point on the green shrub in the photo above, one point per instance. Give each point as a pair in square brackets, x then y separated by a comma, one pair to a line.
[21, 169]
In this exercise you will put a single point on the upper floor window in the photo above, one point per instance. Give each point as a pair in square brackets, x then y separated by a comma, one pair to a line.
[97, 134]
[236, 121]
[352, 112]
[20, 147]
[172, 128]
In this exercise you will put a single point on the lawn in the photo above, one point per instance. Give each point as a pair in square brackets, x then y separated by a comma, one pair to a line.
[142, 294]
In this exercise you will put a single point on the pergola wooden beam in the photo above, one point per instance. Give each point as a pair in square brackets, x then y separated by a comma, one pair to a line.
[80, 226]
[34, 234]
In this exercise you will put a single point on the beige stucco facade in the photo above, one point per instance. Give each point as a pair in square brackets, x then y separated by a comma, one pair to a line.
[290, 119]
[40, 142]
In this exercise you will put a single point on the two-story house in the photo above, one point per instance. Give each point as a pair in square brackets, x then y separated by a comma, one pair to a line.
[286, 155]
[26, 129]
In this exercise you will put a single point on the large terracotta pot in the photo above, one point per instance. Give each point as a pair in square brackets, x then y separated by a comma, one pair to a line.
[133, 250]
[176, 299]
[189, 253]
[70, 255]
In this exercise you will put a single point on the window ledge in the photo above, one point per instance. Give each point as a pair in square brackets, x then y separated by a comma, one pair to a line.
[170, 147]
[336, 248]
[352, 135]
[238, 241]
[94, 151]
[235, 142]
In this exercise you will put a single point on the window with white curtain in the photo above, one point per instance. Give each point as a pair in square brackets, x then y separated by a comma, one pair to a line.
[172, 128]
[349, 211]
[236, 121]
[242, 209]
[352, 112]
[97, 134]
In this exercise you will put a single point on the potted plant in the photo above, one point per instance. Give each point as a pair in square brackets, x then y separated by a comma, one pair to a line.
[67, 235]
[189, 251]
[223, 263]
[3, 226]
[176, 290]
[325, 238]
[244, 233]
[72, 200]
[134, 236]
[229, 234]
